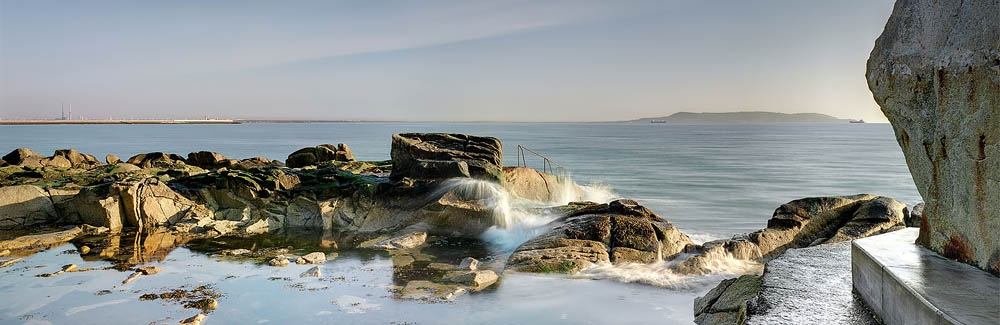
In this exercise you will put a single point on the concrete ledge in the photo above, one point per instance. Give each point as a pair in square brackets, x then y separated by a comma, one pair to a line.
[907, 284]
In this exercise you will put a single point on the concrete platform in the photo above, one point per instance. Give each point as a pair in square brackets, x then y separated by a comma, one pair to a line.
[907, 284]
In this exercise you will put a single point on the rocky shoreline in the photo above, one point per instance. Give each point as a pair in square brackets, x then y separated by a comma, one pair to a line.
[438, 185]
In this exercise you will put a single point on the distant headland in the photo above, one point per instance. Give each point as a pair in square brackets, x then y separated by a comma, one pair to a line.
[743, 117]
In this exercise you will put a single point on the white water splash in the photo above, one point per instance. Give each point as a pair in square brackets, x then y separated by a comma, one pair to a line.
[661, 273]
[516, 220]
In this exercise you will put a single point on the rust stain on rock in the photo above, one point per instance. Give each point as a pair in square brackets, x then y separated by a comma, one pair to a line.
[924, 235]
[956, 248]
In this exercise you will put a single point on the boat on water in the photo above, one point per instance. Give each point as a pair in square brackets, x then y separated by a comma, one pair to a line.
[857, 121]
[658, 121]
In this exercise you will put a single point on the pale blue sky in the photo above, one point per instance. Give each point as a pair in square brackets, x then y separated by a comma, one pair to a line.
[436, 60]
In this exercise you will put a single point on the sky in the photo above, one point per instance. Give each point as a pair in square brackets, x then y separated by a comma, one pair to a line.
[436, 60]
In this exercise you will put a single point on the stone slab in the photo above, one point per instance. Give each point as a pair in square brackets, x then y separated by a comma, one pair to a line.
[906, 284]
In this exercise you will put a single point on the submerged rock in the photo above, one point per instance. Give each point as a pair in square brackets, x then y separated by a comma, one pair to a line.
[935, 72]
[406, 241]
[312, 272]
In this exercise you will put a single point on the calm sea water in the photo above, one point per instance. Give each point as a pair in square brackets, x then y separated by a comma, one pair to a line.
[711, 180]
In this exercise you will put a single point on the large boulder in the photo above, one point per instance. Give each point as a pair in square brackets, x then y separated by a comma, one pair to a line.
[77, 159]
[24, 157]
[23, 206]
[207, 160]
[441, 155]
[935, 72]
[310, 156]
[618, 232]
[96, 206]
[156, 159]
[534, 185]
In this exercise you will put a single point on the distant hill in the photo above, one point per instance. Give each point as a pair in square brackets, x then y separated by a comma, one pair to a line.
[745, 117]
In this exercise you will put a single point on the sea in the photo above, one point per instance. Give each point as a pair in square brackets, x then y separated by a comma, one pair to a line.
[712, 181]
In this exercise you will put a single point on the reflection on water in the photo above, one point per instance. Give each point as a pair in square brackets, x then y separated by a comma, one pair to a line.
[357, 286]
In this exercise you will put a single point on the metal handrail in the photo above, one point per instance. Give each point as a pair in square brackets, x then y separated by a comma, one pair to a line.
[548, 165]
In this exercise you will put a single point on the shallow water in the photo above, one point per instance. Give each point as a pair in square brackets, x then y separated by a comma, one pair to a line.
[711, 180]
[358, 287]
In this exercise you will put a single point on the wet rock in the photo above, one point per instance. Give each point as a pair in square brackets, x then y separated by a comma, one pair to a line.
[427, 290]
[194, 320]
[427, 156]
[4, 252]
[23, 206]
[84, 250]
[934, 72]
[312, 272]
[477, 279]
[729, 302]
[406, 241]
[69, 268]
[468, 263]
[619, 232]
[279, 261]
[312, 258]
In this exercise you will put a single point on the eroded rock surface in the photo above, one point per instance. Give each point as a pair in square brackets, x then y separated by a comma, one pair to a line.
[443, 155]
[618, 232]
[935, 72]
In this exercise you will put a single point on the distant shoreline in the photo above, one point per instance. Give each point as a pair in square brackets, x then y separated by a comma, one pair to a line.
[87, 122]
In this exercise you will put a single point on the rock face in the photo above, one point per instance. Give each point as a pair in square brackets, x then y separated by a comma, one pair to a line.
[24, 206]
[618, 232]
[442, 155]
[935, 71]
